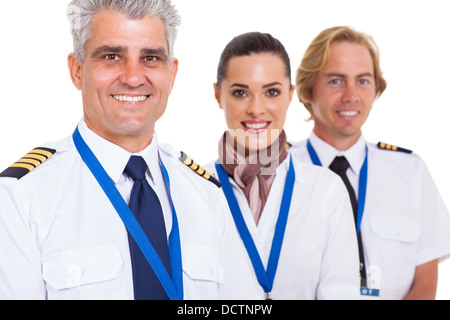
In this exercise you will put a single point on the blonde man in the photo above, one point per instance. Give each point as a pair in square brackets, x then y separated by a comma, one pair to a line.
[401, 221]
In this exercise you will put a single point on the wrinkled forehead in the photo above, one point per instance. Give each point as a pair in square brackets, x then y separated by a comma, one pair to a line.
[114, 29]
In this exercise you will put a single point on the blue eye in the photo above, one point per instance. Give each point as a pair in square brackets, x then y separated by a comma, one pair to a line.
[335, 81]
[363, 81]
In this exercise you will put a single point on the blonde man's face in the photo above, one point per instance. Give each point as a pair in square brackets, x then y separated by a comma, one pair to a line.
[343, 93]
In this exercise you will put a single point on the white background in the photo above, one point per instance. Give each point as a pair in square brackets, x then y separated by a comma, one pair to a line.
[39, 103]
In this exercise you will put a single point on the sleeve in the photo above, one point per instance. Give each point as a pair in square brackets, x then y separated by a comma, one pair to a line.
[434, 241]
[339, 274]
[20, 267]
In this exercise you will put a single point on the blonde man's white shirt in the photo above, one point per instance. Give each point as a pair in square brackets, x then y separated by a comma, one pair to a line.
[405, 222]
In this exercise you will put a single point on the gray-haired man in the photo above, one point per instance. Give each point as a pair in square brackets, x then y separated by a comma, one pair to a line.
[108, 213]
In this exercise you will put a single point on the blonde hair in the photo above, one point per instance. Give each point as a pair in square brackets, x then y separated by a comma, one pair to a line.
[317, 55]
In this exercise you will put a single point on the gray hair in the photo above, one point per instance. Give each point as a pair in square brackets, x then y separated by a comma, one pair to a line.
[81, 13]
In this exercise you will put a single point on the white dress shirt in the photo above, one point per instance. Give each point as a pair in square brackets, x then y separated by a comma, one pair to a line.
[319, 257]
[62, 239]
[405, 222]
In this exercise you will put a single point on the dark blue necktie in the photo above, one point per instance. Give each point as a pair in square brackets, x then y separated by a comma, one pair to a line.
[145, 205]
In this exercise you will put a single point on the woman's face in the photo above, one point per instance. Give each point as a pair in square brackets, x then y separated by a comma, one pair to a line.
[255, 96]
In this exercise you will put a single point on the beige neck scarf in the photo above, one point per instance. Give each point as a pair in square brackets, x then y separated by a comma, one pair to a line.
[252, 172]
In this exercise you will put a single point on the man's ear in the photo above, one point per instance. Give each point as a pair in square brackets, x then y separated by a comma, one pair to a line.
[76, 70]
[173, 72]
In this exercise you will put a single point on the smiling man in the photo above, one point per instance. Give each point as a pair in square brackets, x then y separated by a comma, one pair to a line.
[109, 213]
[125, 79]
[401, 221]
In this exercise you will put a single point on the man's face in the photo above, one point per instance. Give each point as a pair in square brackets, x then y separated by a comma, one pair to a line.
[343, 94]
[126, 77]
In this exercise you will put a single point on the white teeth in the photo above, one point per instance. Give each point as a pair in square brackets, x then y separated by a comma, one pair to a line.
[348, 113]
[256, 126]
[129, 99]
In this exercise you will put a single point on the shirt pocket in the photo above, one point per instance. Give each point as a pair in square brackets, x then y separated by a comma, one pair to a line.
[76, 268]
[393, 251]
[396, 228]
[202, 263]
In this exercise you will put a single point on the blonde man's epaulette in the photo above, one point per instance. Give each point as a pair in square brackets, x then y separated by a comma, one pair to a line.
[191, 164]
[28, 163]
[386, 146]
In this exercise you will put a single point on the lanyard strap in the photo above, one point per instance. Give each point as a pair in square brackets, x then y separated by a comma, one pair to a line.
[360, 208]
[173, 288]
[362, 188]
[265, 278]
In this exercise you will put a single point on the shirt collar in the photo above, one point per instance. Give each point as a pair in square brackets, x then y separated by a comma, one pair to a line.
[114, 158]
[355, 155]
[284, 167]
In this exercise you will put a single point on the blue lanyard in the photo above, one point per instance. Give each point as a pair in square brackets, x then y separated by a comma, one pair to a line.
[362, 182]
[265, 278]
[173, 288]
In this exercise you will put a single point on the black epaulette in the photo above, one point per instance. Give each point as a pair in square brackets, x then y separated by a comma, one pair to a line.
[27, 163]
[385, 146]
[198, 169]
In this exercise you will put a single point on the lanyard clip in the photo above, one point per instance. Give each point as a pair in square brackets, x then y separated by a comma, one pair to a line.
[268, 295]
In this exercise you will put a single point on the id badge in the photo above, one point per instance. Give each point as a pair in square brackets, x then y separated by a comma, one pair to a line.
[371, 288]
[370, 292]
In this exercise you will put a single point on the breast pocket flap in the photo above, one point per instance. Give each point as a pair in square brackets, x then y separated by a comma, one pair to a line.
[397, 228]
[202, 263]
[75, 268]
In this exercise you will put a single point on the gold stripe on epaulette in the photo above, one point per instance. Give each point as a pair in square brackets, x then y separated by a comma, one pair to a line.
[23, 165]
[33, 162]
[42, 152]
[35, 156]
[390, 147]
[197, 168]
[27, 163]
